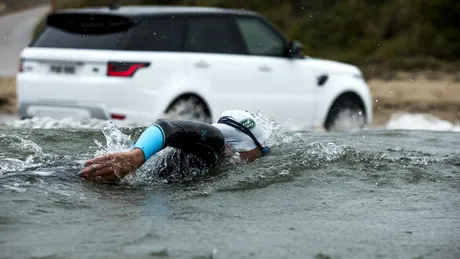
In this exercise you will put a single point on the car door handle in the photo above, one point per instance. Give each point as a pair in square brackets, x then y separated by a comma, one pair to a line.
[264, 68]
[201, 64]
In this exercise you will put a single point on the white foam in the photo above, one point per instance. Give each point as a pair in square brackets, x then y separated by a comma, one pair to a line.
[14, 188]
[42, 173]
[50, 123]
[421, 122]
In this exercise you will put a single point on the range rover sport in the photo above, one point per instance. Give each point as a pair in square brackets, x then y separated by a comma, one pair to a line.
[140, 63]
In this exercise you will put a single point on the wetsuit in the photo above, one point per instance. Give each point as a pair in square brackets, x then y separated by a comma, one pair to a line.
[198, 146]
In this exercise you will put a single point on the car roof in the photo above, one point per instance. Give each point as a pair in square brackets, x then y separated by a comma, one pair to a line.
[150, 10]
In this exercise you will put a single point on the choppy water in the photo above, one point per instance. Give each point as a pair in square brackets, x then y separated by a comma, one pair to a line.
[380, 193]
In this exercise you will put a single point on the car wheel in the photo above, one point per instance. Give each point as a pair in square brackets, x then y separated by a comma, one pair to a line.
[188, 108]
[345, 116]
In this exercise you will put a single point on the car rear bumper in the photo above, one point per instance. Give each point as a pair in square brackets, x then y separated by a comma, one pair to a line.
[79, 112]
[29, 109]
[108, 98]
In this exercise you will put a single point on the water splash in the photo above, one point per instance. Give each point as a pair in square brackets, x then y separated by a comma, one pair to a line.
[18, 144]
[50, 123]
[421, 122]
[18, 154]
[20, 161]
[274, 131]
[116, 141]
[348, 120]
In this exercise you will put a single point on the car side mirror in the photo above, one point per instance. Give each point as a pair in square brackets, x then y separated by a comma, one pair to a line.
[295, 49]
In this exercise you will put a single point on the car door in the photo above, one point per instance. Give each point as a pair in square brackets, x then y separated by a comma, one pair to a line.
[282, 87]
[217, 64]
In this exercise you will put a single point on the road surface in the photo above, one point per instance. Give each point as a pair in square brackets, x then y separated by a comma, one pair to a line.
[15, 34]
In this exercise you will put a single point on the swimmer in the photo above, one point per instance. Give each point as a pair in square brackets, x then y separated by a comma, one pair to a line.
[235, 131]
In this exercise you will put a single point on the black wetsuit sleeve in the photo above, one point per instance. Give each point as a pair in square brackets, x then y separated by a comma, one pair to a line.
[198, 138]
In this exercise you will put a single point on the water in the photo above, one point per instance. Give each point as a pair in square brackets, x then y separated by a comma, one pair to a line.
[380, 193]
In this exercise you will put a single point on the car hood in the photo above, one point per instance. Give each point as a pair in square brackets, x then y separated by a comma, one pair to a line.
[322, 66]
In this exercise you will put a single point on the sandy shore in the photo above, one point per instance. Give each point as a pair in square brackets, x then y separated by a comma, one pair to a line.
[438, 96]
[7, 96]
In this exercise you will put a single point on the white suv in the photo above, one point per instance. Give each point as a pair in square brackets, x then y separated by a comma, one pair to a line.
[141, 63]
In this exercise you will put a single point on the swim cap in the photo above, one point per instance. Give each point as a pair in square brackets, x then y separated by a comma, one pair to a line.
[240, 141]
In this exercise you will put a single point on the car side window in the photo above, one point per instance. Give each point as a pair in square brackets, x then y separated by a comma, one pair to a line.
[159, 34]
[211, 35]
[260, 39]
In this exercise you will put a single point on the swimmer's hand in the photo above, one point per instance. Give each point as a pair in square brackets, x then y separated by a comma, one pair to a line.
[112, 167]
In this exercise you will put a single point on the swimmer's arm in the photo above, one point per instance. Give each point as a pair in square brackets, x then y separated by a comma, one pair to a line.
[137, 157]
[150, 142]
[112, 166]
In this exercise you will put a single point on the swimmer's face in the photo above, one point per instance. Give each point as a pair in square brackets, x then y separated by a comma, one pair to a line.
[245, 155]
[251, 155]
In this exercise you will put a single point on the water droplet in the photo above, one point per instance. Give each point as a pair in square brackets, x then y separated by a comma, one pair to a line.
[284, 173]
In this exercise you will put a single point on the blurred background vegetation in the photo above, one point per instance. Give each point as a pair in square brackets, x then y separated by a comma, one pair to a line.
[380, 36]
[7, 6]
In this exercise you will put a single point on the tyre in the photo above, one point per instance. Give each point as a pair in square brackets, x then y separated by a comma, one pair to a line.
[188, 108]
[346, 115]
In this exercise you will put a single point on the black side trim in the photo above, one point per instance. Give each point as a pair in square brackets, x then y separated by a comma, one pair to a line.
[322, 80]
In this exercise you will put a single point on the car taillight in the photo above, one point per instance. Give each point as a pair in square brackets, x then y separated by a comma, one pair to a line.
[117, 116]
[124, 69]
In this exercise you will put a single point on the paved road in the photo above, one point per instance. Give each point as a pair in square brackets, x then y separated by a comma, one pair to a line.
[15, 34]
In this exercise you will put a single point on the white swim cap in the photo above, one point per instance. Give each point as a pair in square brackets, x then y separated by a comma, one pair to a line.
[238, 140]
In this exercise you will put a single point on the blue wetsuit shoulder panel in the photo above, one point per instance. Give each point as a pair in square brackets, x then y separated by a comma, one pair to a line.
[151, 141]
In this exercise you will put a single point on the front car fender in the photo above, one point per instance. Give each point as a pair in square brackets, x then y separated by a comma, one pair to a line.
[337, 85]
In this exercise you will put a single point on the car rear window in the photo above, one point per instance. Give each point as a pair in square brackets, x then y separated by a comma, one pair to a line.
[57, 38]
[104, 32]
[158, 34]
